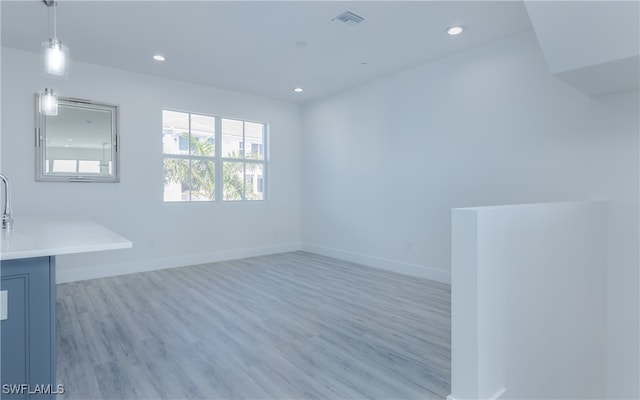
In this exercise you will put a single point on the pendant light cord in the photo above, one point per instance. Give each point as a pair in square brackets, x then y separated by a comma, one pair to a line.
[55, 17]
[51, 4]
[49, 21]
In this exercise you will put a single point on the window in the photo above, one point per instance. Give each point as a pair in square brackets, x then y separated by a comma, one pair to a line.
[205, 158]
[241, 168]
[77, 166]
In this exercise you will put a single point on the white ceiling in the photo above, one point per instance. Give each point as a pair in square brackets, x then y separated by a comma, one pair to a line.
[592, 45]
[250, 46]
[596, 31]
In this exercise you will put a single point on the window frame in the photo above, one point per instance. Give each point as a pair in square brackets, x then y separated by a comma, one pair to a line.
[219, 160]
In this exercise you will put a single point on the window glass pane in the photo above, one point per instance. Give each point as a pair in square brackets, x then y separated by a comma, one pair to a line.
[89, 166]
[176, 179]
[175, 132]
[254, 184]
[203, 180]
[254, 140]
[64, 166]
[203, 135]
[233, 184]
[232, 138]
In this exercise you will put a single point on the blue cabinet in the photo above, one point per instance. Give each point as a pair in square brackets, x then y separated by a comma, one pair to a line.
[27, 335]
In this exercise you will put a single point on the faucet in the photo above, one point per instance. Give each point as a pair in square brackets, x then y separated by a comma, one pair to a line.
[7, 219]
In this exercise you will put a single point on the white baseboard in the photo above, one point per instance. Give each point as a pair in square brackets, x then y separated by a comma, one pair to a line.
[102, 271]
[419, 271]
[496, 396]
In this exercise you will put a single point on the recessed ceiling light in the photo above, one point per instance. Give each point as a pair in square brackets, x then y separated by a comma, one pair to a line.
[455, 30]
[159, 57]
[298, 90]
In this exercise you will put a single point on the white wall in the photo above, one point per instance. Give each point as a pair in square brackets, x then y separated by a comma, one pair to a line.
[528, 297]
[389, 159]
[623, 274]
[163, 234]
[385, 162]
[0, 101]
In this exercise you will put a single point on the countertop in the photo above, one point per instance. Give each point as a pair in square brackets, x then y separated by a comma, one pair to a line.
[52, 236]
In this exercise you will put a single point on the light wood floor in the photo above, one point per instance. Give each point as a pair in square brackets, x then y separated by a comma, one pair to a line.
[286, 326]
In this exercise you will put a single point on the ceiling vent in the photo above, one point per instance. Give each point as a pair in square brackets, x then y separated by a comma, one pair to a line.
[349, 18]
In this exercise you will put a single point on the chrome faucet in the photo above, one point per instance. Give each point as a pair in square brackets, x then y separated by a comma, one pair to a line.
[7, 218]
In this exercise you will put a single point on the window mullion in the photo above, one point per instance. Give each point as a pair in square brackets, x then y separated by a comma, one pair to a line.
[265, 165]
[219, 179]
[244, 165]
[190, 160]
[244, 181]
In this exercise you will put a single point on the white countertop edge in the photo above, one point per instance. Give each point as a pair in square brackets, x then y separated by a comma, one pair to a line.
[56, 235]
[14, 255]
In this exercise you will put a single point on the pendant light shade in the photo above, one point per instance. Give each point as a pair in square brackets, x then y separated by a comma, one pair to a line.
[48, 103]
[55, 57]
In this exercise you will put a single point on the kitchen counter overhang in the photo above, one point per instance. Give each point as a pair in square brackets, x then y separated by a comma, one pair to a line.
[53, 236]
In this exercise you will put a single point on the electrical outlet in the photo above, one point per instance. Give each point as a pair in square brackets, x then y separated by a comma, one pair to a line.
[408, 245]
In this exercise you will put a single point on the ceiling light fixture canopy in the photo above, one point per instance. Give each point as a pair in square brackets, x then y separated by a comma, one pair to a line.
[159, 57]
[298, 90]
[56, 54]
[48, 103]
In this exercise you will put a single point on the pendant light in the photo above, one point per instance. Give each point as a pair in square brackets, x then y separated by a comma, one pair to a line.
[48, 103]
[56, 54]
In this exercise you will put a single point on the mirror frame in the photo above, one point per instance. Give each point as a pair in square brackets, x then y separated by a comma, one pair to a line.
[41, 137]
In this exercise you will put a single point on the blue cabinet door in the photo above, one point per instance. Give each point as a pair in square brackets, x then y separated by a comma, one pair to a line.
[27, 335]
[13, 333]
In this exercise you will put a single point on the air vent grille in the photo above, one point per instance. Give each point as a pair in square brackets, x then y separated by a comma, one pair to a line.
[349, 18]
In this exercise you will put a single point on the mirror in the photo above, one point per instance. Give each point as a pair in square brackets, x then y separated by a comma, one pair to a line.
[80, 144]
